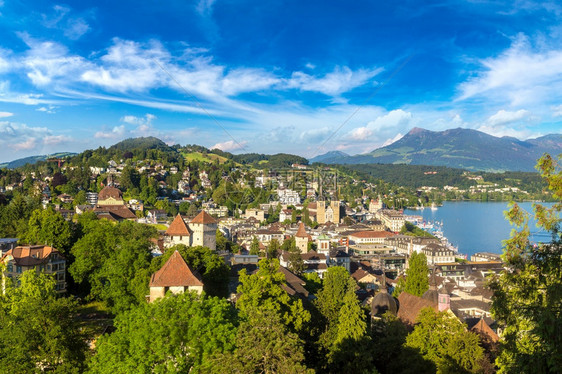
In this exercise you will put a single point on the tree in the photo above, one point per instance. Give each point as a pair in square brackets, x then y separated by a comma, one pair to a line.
[38, 329]
[417, 281]
[50, 228]
[130, 178]
[174, 334]
[114, 261]
[263, 345]
[344, 338]
[273, 249]
[527, 302]
[255, 246]
[444, 340]
[264, 291]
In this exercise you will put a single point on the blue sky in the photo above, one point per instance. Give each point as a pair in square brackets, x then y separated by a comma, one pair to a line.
[302, 77]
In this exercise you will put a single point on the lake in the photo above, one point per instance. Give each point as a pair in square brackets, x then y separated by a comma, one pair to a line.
[477, 226]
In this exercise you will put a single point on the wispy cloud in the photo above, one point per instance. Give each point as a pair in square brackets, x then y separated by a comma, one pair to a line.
[6, 114]
[21, 137]
[230, 146]
[521, 75]
[339, 81]
[503, 117]
[73, 27]
[115, 133]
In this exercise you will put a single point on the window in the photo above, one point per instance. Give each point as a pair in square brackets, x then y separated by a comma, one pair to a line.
[18, 269]
[10, 268]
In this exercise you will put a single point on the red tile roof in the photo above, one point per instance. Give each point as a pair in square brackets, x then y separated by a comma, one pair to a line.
[482, 328]
[119, 212]
[301, 232]
[110, 191]
[203, 218]
[410, 306]
[175, 272]
[178, 227]
[30, 255]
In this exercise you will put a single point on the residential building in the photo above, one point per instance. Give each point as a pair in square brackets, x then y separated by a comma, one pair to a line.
[436, 253]
[392, 219]
[42, 258]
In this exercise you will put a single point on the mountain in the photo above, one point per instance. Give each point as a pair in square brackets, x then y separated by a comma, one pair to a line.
[33, 159]
[332, 157]
[142, 143]
[462, 148]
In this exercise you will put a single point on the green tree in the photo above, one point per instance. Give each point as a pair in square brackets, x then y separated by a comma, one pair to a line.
[255, 246]
[50, 228]
[114, 262]
[273, 249]
[263, 345]
[344, 338]
[417, 281]
[527, 300]
[130, 178]
[444, 340]
[38, 329]
[264, 291]
[176, 334]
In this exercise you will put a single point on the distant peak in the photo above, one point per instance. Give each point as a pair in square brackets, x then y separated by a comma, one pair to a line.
[416, 130]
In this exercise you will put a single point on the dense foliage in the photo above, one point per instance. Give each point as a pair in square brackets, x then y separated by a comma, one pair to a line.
[528, 296]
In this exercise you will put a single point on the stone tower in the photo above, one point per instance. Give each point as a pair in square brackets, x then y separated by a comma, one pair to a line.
[204, 229]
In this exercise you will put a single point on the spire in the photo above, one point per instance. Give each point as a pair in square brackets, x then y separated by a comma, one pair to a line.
[433, 281]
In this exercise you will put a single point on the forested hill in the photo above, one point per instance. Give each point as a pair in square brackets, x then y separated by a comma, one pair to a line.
[459, 148]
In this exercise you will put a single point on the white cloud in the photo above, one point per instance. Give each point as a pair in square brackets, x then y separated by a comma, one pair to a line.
[116, 132]
[146, 120]
[503, 117]
[72, 27]
[46, 62]
[360, 133]
[76, 28]
[205, 7]
[20, 137]
[6, 114]
[230, 146]
[500, 131]
[521, 75]
[393, 140]
[51, 109]
[56, 139]
[341, 80]
[556, 110]
[316, 135]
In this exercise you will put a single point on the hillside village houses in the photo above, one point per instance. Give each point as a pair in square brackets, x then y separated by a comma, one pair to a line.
[364, 240]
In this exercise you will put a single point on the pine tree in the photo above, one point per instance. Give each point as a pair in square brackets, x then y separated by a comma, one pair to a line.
[417, 281]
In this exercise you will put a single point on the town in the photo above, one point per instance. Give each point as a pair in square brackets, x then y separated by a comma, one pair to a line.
[137, 230]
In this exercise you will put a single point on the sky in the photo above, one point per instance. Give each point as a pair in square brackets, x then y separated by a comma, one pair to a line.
[301, 77]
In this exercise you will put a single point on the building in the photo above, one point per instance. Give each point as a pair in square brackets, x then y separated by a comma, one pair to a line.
[42, 258]
[112, 206]
[436, 253]
[328, 212]
[7, 243]
[258, 214]
[92, 198]
[175, 276]
[288, 197]
[392, 219]
[369, 237]
[201, 230]
[156, 215]
[302, 238]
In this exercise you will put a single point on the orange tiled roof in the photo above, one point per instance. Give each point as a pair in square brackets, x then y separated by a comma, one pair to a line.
[410, 307]
[30, 255]
[110, 191]
[178, 227]
[482, 328]
[175, 273]
[203, 218]
[301, 232]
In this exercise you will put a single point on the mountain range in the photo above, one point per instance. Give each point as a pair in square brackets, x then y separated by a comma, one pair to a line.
[457, 148]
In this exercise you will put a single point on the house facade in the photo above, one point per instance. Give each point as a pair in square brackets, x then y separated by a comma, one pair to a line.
[42, 258]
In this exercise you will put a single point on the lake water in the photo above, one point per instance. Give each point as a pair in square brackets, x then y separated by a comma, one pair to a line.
[477, 226]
